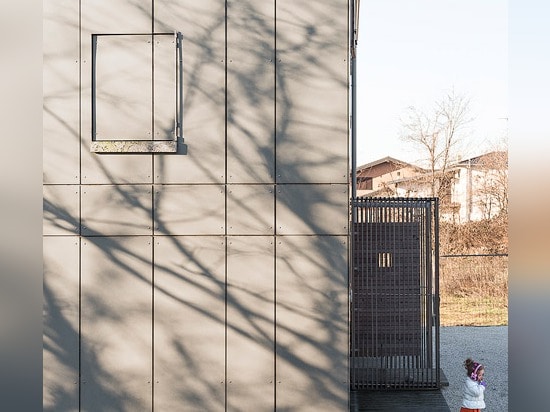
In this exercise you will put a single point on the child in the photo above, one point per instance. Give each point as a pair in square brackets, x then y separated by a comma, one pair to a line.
[474, 387]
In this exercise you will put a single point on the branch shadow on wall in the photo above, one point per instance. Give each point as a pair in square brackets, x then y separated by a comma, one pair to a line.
[184, 273]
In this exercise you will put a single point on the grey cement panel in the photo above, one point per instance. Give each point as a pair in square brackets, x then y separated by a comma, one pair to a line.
[116, 323]
[61, 65]
[117, 168]
[312, 92]
[116, 210]
[61, 319]
[312, 323]
[189, 210]
[189, 303]
[250, 320]
[61, 210]
[251, 92]
[122, 16]
[312, 209]
[250, 209]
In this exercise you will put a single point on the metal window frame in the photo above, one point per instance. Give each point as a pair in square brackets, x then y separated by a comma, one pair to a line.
[140, 146]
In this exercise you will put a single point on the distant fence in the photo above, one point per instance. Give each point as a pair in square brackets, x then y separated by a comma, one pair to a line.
[473, 290]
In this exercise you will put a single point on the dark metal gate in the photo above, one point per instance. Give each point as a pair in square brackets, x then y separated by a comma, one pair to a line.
[394, 289]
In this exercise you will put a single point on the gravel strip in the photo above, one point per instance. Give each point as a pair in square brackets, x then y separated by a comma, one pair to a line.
[485, 344]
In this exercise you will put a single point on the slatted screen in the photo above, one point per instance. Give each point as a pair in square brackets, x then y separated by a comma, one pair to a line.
[394, 327]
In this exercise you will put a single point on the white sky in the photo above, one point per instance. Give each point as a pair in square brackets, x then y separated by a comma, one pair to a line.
[410, 53]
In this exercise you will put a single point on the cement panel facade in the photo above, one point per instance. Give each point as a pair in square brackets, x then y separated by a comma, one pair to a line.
[311, 326]
[189, 323]
[250, 320]
[61, 117]
[61, 327]
[116, 323]
[212, 278]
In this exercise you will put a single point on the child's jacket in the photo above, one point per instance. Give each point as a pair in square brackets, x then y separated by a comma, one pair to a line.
[473, 395]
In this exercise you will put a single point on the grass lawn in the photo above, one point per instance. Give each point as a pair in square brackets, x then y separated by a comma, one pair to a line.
[473, 311]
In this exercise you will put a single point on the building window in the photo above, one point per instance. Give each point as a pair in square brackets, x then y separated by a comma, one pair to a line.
[385, 260]
[134, 110]
[364, 183]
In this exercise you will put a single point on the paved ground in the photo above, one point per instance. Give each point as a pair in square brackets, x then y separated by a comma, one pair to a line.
[485, 344]
[398, 401]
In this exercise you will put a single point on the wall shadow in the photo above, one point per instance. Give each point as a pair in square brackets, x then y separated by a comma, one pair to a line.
[265, 112]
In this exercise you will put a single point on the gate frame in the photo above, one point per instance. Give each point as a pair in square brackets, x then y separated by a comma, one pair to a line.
[429, 255]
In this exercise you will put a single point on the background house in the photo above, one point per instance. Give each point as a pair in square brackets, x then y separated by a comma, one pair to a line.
[476, 188]
[480, 186]
[377, 178]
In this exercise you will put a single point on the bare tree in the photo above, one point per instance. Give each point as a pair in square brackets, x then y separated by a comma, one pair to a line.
[437, 134]
[492, 188]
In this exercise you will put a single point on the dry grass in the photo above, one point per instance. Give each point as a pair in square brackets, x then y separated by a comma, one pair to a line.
[474, 290]
[463, 311]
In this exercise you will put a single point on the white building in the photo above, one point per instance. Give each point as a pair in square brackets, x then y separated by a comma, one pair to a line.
[477, 189]
[480, 186]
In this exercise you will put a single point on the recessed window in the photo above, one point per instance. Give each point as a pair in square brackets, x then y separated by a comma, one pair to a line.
[136, 92]
[364, 183]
